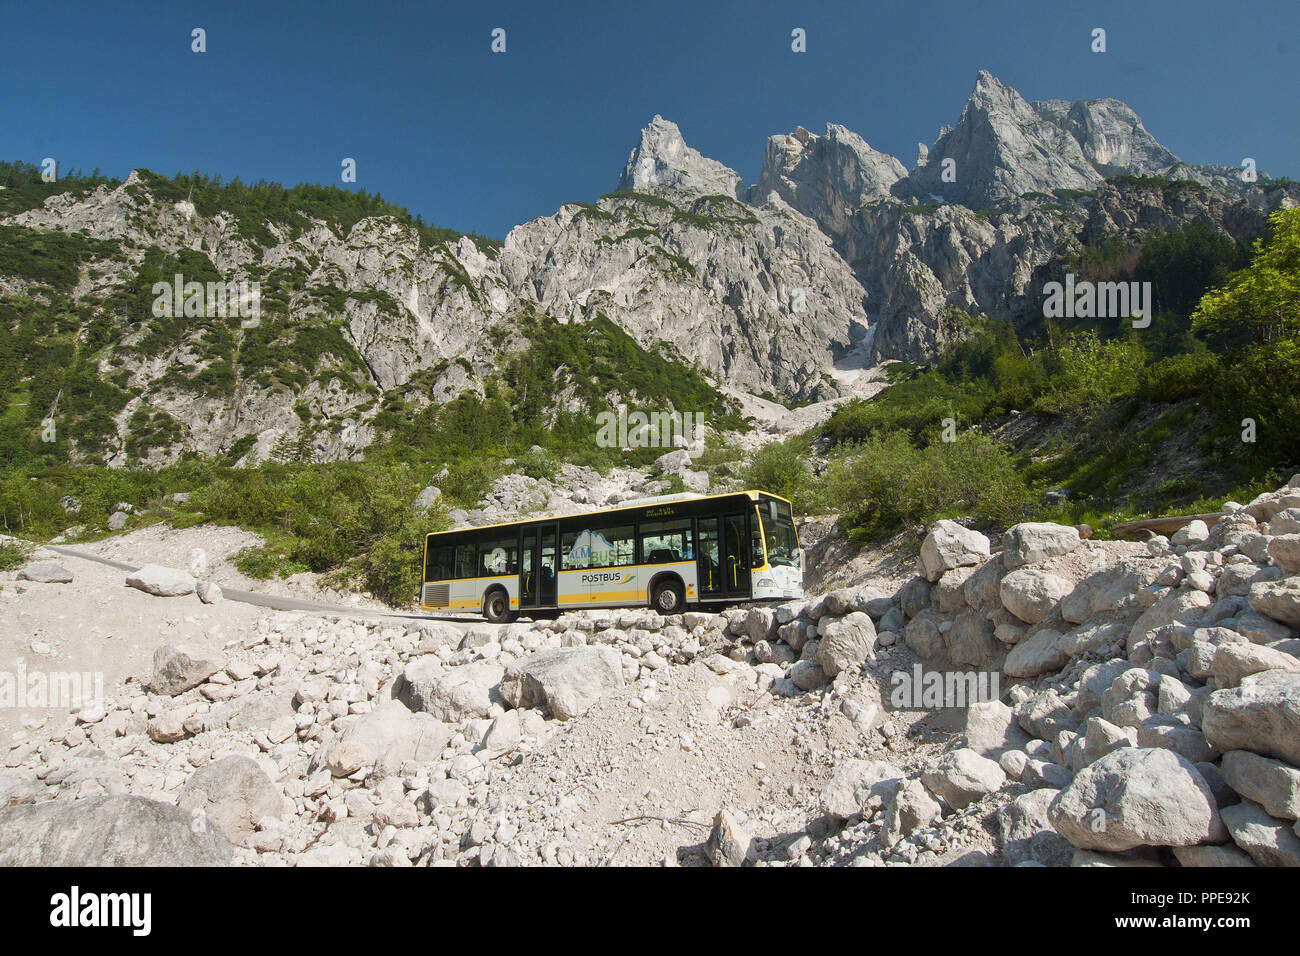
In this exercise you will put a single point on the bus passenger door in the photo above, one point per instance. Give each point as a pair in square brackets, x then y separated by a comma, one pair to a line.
[708, 558]
[529, 562]
[735, 555]
[548, 567]
[724, 557]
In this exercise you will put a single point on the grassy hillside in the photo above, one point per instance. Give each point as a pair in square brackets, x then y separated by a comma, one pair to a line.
[254, 205]
[549, 392]
[83, 351]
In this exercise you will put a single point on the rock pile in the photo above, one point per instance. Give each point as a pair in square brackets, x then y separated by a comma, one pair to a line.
[333, 741]
[1147, 713]
[1155, 712]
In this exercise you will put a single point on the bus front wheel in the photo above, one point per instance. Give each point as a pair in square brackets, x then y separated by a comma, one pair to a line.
[496, 608]
[668, 598]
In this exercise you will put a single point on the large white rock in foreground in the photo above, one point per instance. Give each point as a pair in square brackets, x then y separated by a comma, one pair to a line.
[1262, 715]
[1137, 796]
[1031, 594]
[45, 572]
[386, 738]
[107, 831]
[450, 694]
[177, 668]
[1032, 541]
[950, 545]
[568, 680]
[161, 581]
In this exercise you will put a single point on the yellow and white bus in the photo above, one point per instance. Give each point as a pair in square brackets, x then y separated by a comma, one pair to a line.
[666, 553]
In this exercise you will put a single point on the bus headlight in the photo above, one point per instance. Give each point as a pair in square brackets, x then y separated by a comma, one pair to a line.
[766, 583]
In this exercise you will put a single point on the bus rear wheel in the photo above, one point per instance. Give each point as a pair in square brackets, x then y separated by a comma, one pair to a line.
[668, 598]
[496, 607]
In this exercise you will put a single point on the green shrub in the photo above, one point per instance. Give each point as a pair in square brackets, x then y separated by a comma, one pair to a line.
[352, 519]
[916, 406]
[13, 555]
[538, 463]
[782, 468]
[1262, 384]
[1178, 377]
[263, 563]
[1089, 374]
[886, 483]
[391, 568]
[469, 479]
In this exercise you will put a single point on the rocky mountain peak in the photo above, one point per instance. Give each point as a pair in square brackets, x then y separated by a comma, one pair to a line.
[993, 101]
[1004, 146]
[661, 160]
[987, 82]
[825, 177]
[1110, 134]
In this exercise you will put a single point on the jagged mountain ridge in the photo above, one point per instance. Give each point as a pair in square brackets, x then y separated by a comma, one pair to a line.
[825, 177]
[792, 286]
[1004, 146]
[1028, 177]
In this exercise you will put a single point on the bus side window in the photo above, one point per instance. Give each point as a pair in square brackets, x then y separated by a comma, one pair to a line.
[465, 554]
[498, 556]
[666, 541]
[439, 566]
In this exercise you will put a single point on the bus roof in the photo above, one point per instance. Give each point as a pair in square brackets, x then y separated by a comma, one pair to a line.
[751, 493]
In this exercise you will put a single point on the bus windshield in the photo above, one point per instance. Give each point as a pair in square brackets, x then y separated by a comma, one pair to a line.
[782, 543]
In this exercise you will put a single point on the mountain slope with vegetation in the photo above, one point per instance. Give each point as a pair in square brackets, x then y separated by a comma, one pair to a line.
[369, 318]
[1084, 420]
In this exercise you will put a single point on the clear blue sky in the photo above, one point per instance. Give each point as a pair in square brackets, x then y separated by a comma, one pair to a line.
[479, 141]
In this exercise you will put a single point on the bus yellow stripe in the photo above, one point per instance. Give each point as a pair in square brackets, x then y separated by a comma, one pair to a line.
[591, 597]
